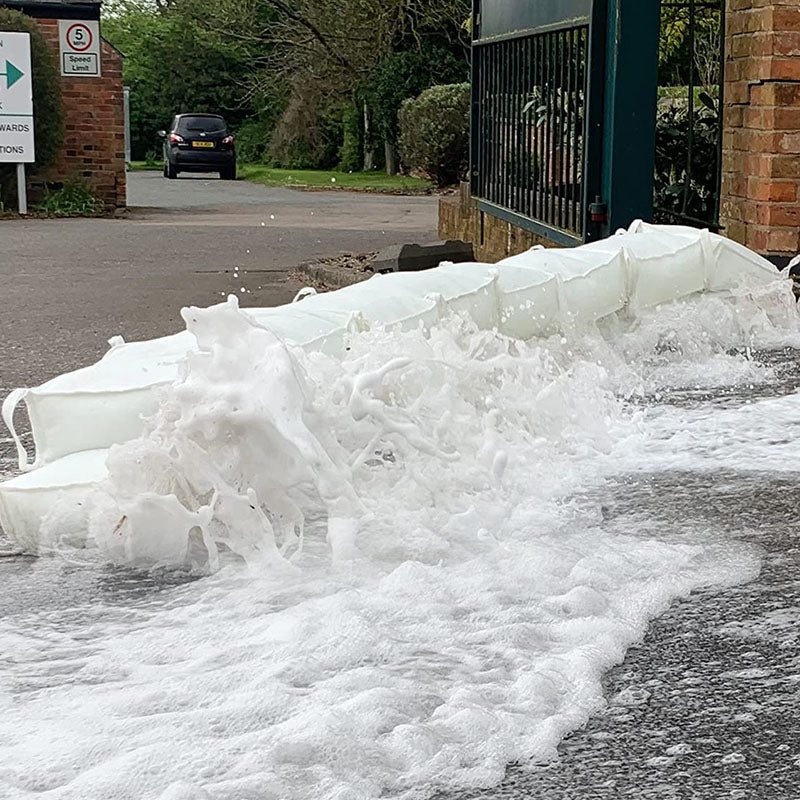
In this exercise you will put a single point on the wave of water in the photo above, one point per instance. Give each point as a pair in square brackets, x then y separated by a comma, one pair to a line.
[407, 585]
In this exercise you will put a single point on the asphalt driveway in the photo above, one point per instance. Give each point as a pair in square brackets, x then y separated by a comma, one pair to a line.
[68, 285]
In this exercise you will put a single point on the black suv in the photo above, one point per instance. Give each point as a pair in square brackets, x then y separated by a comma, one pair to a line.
[199, 143]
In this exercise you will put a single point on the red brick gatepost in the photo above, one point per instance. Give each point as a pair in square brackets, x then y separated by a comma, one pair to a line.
[94, 119]
[94, 125]
[761, 141]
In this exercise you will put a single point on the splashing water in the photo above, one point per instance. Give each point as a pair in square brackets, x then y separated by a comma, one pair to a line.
[406, 586]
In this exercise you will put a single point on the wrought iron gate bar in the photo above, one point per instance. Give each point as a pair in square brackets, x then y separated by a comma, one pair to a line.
[529, 116]
[688, 207]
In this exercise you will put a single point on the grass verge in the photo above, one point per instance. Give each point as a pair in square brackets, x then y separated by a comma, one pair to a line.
[329, 179]
[318, 178]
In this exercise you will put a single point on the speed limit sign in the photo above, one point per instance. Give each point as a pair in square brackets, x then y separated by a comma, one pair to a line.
[79, 46]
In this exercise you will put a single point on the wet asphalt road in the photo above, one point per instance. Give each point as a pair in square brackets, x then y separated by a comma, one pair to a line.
[66, 286]
[707, 706]
[718, 675]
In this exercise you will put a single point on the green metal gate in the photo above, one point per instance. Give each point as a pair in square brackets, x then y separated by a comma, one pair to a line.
[532, 107]
[562, 121]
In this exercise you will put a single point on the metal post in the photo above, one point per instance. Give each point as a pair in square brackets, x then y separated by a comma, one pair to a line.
[630, 102]
[687, 182]
[22, 193]
[126, 112]
[720, 112]
[594, 86]
[475, 114]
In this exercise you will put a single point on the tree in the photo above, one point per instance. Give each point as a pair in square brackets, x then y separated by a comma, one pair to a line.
[333, 42]
[324, 53]
[434, 132]
[679, 53]
[174, 64]
[297, 72]
[405, 74]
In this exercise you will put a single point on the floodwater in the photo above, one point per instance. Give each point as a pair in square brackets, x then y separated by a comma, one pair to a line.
[596, 597]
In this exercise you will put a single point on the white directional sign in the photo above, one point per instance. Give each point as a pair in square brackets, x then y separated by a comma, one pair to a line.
[79, 47]
[16, 99]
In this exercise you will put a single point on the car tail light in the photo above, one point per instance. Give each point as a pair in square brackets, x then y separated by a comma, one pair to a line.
[175, 138]
[228, 140]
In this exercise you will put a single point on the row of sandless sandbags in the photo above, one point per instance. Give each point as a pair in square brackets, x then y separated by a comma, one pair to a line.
[75, 417]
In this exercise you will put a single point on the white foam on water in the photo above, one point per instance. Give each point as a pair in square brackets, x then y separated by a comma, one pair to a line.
[401, 592]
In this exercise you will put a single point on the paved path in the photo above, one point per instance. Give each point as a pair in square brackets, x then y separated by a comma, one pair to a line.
[68, 285]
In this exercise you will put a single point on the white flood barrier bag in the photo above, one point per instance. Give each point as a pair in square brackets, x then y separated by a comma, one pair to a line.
[27, 499]
[98, 405]
[587, 284]
[77, 416]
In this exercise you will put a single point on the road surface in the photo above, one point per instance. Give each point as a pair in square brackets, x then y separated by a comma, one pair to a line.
[68, 285]
[718, 674]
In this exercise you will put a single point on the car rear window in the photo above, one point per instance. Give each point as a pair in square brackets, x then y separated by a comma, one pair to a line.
[201, 124]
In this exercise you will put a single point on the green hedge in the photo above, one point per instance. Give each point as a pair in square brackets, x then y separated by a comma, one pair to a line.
[434, 132]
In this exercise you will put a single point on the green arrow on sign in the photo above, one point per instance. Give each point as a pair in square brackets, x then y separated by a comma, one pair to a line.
[12, 73]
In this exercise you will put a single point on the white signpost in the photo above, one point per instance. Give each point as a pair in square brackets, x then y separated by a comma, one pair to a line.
[79, 47]
[16, 107]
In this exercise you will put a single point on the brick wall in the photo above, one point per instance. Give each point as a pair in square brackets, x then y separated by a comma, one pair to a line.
[94, 136]
[492, 238]
[761, 141]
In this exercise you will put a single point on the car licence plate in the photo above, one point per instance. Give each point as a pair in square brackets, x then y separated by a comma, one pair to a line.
[202, 144]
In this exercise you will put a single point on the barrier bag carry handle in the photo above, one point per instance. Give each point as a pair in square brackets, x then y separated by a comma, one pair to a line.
[9, 406]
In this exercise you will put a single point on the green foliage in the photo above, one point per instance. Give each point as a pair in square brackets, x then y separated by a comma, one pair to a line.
[146, 166]
[318, 132]
[288, 77]
[309, 133]
[677, 56]
[252, 140]
[350, 151]
[73, 199]
[48, 127]
[675, 178]
[404, 74]
[175, 63]
[434, 132]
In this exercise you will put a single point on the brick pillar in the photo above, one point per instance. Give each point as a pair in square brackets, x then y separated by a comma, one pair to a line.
[94, 125]
[761, 139]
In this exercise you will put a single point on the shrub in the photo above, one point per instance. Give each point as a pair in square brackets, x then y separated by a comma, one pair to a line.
[404, 74]
[73, 199]
[672, 136]
[434, 132]
[252, 141]
[48, 120]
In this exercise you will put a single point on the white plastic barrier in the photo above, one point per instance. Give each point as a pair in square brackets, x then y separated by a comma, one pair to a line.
[726, 263]
[26, 499]
[98, 405]
[592, 282]
[77, 416]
